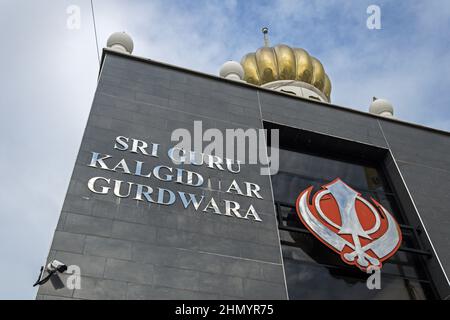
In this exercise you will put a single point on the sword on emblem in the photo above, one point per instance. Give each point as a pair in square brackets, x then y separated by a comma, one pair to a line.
[372, 253]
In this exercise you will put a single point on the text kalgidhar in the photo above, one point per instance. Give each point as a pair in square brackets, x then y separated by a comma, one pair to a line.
[170, 174]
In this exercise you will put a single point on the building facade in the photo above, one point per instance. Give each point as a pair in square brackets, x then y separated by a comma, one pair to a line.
[131, 225]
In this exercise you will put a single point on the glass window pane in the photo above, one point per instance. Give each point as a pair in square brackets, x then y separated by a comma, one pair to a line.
[305, 247]
[324, 170]
[314, 271]
[306, 281]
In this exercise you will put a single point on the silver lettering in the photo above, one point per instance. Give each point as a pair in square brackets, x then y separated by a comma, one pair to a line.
[121, 143]
[232, 209]
[117, 185]
[192, 199]
[100, 160]
[253, 188]
[139, 145]
[103, 190]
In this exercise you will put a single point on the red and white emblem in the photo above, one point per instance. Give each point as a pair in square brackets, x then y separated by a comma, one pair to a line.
[364, 234]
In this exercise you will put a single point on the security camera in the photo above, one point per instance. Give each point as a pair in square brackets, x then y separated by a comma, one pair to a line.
[56, 265]
[52, 268]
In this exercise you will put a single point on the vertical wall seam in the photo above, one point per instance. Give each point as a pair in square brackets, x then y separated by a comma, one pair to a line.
[273, 199]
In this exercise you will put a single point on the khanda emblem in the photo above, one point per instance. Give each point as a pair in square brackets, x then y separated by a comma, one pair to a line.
[364, 234]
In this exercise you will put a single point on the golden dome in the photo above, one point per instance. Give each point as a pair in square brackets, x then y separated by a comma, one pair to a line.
[282, 62]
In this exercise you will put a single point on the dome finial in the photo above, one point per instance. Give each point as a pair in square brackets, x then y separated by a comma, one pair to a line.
[265, 32]
[294, 67]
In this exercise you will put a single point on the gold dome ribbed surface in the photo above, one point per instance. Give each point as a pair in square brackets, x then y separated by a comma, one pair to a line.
[282, 62]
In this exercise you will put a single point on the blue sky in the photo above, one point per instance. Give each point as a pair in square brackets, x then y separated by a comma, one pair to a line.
[49, 77]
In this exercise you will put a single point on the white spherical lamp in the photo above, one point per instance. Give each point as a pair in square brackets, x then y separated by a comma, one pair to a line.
[120, 41]
[232, 70]
[381, 107]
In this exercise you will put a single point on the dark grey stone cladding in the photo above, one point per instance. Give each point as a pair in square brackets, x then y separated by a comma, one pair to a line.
[131, 250]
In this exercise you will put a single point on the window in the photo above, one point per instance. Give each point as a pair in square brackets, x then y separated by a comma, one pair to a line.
[313, 271]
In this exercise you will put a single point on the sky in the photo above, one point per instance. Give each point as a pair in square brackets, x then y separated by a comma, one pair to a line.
[49, 73]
